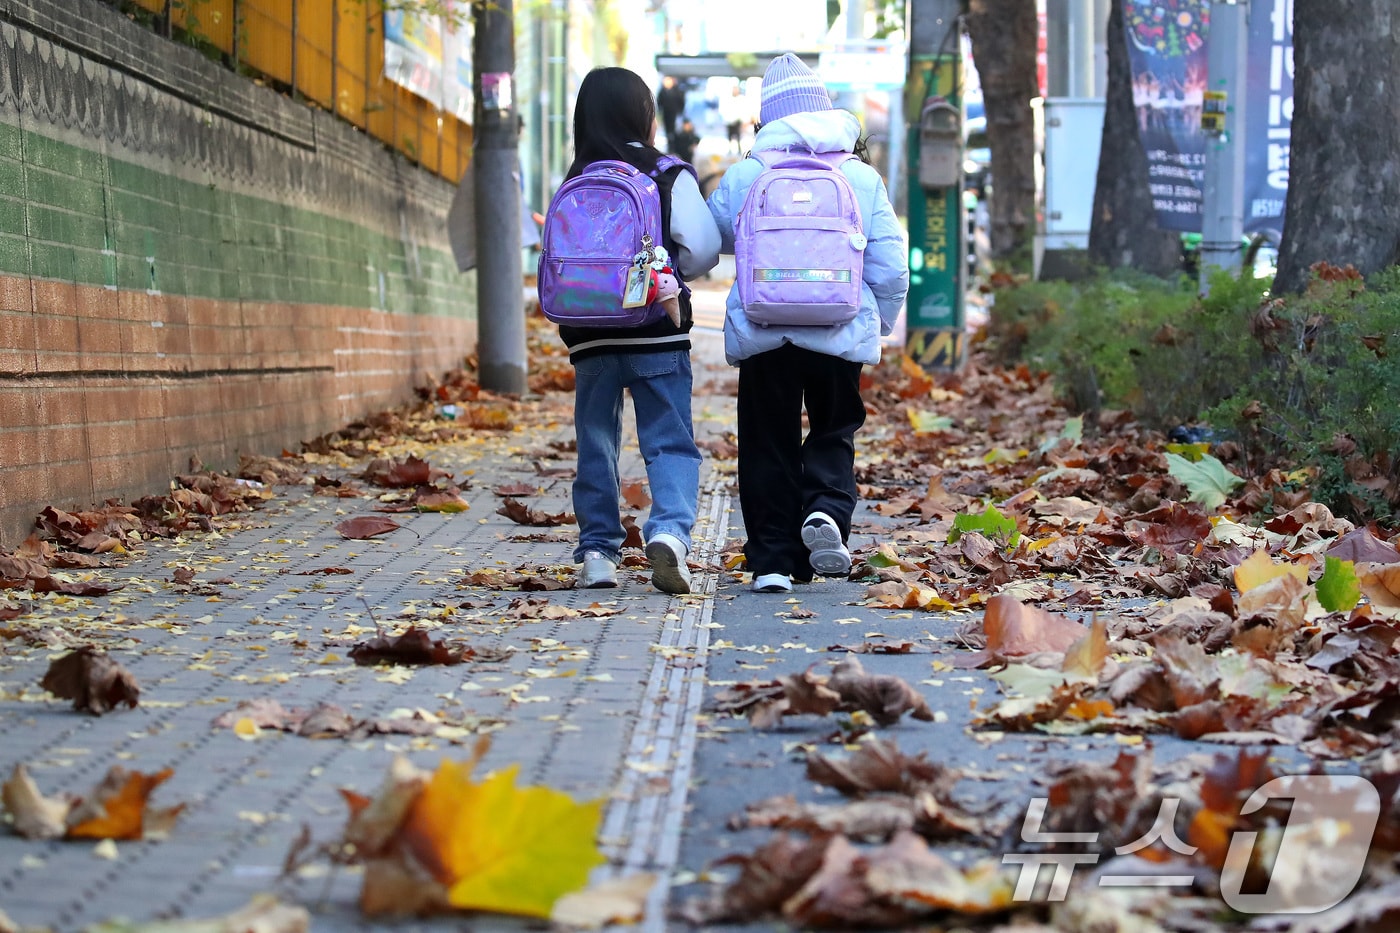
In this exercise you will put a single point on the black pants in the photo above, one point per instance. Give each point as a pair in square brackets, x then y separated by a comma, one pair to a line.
[782, 477]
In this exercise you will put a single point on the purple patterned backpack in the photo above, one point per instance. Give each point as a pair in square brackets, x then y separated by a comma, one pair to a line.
[799, 243]
[597, 224]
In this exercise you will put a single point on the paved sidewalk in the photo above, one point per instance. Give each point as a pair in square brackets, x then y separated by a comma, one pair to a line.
[594, 707]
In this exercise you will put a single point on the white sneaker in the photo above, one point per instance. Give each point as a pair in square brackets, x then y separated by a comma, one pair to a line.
[822, 535]
[598, 572]
[772, 583]
[669, 572]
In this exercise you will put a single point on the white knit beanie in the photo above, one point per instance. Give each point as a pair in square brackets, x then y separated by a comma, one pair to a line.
[789, 87]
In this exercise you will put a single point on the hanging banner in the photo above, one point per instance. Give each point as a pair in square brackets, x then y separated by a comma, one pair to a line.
[1167, 59]
[1268, 114]
[428, 57]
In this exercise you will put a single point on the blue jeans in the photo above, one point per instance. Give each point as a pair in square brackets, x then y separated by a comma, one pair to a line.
[660, 384]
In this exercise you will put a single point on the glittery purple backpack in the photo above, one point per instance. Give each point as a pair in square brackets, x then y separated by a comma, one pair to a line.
[597, 223]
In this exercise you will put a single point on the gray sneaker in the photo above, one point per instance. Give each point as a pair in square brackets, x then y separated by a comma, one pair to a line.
[598, 572]
[829, 556]
[669, 572]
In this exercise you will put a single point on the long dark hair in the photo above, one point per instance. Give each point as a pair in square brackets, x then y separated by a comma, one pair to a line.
[614, 108]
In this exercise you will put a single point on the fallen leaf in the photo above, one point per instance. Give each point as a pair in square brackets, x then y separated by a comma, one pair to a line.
[634, 495]
[366, 526]
[1087, 656]
[1014, 628]
[33, 815]
[515, 489]
[522, 514]
[116, 807]
[414, 646]
[402, 474]
[878, 766]
[884, 696]
[499, 847]
[92, 680]
[617, 900]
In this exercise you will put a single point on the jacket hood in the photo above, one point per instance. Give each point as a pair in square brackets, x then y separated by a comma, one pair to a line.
[818, 131]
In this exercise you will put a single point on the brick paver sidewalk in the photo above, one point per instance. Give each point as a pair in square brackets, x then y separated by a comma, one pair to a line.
[597, 707]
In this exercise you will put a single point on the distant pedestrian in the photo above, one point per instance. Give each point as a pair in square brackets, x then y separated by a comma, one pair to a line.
[798, 494]
[670, 102]
[684, 141]
[734, 111]
[615, 118]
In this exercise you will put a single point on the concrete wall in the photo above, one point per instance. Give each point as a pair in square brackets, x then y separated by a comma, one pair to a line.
[193, 264]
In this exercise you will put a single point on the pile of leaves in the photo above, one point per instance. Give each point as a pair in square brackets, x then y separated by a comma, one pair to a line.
[1126, 584]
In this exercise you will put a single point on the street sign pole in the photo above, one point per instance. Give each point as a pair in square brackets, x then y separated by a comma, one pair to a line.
[1222, 118]
[500, 293]
[935, 311]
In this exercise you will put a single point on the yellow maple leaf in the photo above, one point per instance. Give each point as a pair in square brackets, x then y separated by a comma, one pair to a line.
[1259, 568]
[500, 847]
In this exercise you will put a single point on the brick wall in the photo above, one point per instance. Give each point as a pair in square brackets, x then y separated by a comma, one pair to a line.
[191, 264]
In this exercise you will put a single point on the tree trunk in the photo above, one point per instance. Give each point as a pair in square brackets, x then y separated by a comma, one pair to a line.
[1123, 231]
[1344, 181]
[1004, 36]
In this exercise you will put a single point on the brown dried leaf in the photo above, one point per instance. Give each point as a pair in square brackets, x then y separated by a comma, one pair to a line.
[413, 647]
[878, 766]
[374, 822]
[73, 587]
[809, 693]
[767, 879]
[516, 489]
[402, 474]
[634, 537]
[18, 568]
[908, 873]
[634, 495]
[366, 526]
[884, 696]
[1013, 628]
[92, 680]
[836, 894]
[522, 514]
[1361, 546]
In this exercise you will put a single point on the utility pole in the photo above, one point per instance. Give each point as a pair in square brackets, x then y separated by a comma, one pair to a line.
[1222, 117]
[934, 311]
[500, 295]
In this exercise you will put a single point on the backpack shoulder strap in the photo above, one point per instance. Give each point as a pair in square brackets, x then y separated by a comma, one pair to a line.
[668, 162]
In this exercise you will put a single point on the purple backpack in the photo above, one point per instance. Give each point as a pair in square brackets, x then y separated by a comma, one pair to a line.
[799, 243]
[597, 224]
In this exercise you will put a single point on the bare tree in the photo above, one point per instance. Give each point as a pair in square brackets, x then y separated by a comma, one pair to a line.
[1344, 172]
[1124, 231]
[1004, 36]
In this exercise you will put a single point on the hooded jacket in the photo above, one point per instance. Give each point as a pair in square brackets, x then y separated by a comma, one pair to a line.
[886, 277]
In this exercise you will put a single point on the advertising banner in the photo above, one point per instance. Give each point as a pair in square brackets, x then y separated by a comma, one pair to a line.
[1167, 59]
[428, 57]
[1268, 114]
[1167, 42]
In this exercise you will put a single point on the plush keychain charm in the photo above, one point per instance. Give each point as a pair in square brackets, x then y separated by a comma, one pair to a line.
[665, 287]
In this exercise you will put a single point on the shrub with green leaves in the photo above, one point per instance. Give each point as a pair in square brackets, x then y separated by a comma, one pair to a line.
[1299, 380]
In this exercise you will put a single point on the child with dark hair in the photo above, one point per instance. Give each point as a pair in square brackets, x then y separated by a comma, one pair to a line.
[615, 118]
